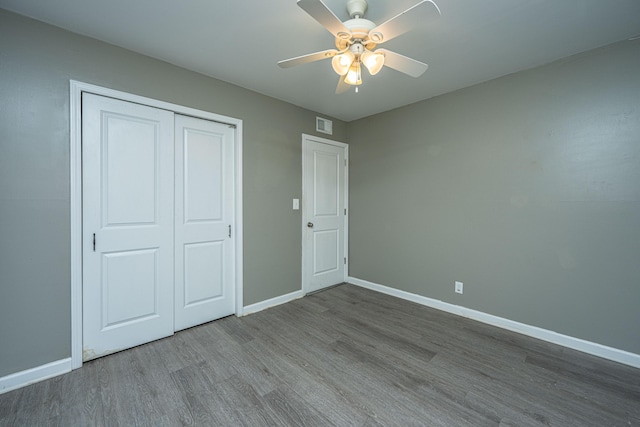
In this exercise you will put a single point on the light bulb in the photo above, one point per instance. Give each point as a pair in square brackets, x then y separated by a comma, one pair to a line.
[342, 62]
[373, 61]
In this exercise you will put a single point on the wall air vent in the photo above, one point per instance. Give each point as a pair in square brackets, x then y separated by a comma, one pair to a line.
[324, 125]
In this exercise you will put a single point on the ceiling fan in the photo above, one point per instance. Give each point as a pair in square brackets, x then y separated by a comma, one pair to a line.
[357, 38]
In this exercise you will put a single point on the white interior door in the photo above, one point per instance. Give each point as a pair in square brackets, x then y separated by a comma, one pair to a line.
[128, 186]
[204, 212]
[324, 167]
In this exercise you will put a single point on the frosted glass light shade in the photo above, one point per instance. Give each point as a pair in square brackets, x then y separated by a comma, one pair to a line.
[373, 61]
[342, 62]
[354, 76]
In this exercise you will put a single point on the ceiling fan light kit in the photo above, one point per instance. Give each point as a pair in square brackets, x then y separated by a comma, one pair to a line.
[354, 75]
[341, 63]
[374, 61]
[356, 39]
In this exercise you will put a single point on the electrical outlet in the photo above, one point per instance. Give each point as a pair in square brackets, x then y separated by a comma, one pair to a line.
[458, 287]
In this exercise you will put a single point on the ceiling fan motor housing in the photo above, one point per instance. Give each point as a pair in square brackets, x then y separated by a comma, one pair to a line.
[359, 29]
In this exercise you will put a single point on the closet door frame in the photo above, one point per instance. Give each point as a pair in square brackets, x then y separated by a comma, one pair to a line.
[75, 164]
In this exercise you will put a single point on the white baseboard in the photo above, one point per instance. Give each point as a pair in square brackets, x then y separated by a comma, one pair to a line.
[259, 306]
[34, 375]
[610, 353]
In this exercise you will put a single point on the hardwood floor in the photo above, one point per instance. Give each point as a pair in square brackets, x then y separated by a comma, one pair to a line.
[346, 356]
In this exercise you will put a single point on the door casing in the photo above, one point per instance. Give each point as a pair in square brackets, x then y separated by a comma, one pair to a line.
[305, 274]
[75, 165]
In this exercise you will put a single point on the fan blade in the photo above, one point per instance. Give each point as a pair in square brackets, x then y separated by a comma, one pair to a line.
[342, 85]
[305, 59]
[321, 13]
[402, 63]
[422, 12]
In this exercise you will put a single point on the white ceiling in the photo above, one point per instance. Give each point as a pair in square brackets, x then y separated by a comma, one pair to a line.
[240, 41]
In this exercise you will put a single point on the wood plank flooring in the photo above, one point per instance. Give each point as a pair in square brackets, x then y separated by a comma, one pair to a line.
[346, 356]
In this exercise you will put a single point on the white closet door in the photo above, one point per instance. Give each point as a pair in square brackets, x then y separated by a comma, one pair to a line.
[128, 186]
[204, 212]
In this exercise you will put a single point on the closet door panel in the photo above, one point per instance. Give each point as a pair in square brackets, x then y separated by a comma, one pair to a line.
[204, 275]
[128, 186]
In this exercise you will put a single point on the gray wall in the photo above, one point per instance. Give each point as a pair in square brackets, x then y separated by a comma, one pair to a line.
[36, 63]
[526, 188]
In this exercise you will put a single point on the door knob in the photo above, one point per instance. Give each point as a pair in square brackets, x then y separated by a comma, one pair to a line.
[310, 224]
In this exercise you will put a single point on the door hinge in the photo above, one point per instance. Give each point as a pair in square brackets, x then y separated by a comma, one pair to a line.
[345, 211]
[229, 230]
[345, 260]
[94, 242]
